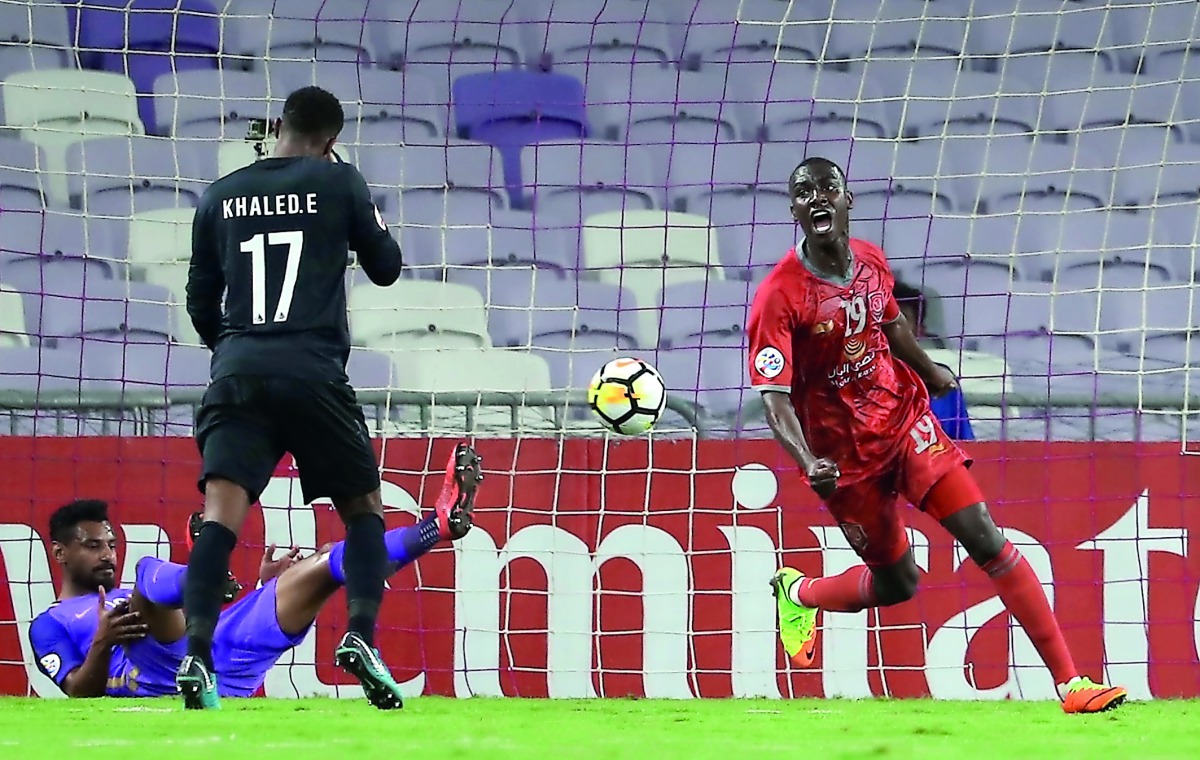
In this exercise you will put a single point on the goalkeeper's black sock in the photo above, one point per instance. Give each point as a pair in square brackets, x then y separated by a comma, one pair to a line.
[207, 574]
[365, 566]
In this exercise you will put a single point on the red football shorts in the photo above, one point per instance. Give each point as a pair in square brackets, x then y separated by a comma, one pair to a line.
[929, 470]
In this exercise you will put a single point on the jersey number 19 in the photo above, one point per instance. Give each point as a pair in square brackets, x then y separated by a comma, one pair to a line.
[257, 248]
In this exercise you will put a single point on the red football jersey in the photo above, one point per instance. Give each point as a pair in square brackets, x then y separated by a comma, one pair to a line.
[821, 340]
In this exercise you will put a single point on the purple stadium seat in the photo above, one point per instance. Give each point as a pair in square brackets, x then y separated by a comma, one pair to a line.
[1155, 38]
[507, 239]
[370, 370]
[157, 368]
[1062, 241]
[50, 251]
[42, 370]
[211, 104]
[695, 313]
[20, 179]
[574, 180]
[145, 366]
[698, 177]
[1130, 271]
[715, 377]
[724, 377]
[717, 32]
[970, 103]
[428, 206]
[1148, 175]
[29, 369]
[463, 32]
[1128, 315]
[109, 311]
[1116, 109]
[1027, 309]
[518, 107]
[1009, 27]
[897, 28]
[667, 106]
[121, 175]
[573, 365]
[752, 247]
[680, 369]
[456, 173]
[381, 106]
[1042, 353]
[300, 30]
[145, 39]
[512, 109]
[913, 243]
[805, 105]
[595, 30]
[575, 314]
[1045, 191]
[959, 283]
[502, 287]
[1175, 236]
[38, 37]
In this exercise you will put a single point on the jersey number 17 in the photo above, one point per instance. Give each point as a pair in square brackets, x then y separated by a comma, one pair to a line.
[257, 248]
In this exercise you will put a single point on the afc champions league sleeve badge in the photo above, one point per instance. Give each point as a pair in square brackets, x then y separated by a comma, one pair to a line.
[51, 664]
[379, 218]
[769, 362]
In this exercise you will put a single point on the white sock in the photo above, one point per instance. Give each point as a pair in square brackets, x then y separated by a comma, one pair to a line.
[1063, 688]
[793, 593]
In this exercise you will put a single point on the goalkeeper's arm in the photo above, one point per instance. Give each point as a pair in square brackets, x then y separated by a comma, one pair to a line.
[378, 252]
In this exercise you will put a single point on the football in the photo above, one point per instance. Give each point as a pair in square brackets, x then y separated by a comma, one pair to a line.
[627, 395]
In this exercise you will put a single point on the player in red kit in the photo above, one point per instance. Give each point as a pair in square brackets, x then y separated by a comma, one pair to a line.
[846, 389]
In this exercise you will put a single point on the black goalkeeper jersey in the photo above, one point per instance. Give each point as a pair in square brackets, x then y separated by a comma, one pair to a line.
[273, 239]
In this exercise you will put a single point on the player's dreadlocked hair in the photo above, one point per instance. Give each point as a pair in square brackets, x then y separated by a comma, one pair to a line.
[816, 161]
[314, 113]
[66, 518]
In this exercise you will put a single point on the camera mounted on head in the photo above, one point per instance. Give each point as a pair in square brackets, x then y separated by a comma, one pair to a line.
[256, 134]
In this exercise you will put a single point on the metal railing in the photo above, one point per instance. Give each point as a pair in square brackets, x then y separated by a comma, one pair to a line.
[1035, 404]
[112, 406]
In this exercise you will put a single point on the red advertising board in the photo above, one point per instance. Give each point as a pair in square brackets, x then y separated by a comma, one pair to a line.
[641, 569]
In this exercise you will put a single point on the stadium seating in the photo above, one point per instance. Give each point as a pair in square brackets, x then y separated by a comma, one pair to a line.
[144, 39]
[21, 181]
[56, 108]
[574, 179]
[512, 109]
[691, 314]
[211, 104]
[36, 37]
[415, 315]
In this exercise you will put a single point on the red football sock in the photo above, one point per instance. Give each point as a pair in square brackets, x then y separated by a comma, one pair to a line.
[1022, 594]
[850, 591]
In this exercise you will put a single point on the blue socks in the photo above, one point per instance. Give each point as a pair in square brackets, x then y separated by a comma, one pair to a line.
[404, 546]
[161, 582]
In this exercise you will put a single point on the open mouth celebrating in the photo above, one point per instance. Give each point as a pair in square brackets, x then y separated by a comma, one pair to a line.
[822, 221]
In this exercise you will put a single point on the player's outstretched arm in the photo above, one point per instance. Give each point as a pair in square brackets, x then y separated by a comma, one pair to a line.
[904, 346]
[781, 416]
[378, 252]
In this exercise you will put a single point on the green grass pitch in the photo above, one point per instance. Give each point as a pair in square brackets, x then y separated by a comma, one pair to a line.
[432, 727]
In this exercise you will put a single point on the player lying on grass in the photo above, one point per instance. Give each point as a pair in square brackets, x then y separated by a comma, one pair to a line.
[845, 387]
[98, 639]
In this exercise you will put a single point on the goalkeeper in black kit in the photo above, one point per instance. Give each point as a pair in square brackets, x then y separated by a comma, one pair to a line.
[273, 240]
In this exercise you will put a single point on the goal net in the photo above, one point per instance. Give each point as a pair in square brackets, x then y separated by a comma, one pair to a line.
[577, 181]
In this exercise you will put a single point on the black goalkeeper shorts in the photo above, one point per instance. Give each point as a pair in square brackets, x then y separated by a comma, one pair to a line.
[246, 424]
